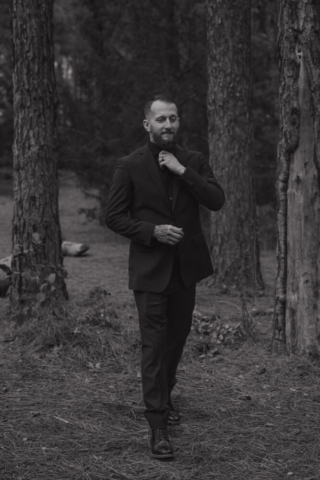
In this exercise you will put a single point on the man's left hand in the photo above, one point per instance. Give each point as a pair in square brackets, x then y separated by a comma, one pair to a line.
[166, 159]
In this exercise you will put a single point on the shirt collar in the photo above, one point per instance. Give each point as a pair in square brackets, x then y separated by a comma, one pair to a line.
[155, 149]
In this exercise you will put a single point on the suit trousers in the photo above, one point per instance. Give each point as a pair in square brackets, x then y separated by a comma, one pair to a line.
[165, 321]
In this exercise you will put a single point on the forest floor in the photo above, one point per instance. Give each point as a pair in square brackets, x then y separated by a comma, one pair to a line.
[70, 393]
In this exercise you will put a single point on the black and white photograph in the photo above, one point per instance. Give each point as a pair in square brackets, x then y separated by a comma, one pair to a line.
[159, 239]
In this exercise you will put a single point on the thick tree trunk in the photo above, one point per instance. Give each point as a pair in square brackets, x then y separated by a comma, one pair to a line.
[234, 241]
[297, 309]
[36, 226]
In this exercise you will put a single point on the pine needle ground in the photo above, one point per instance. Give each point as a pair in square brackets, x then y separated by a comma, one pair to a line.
[70, 390]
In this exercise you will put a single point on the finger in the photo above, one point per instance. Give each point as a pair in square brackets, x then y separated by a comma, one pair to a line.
[172, 242]
[167, 159]
[176, 229]
[164, 162]
[176, 241]
[174, 236]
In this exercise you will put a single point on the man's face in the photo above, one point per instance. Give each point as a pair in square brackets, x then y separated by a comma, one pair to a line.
[162, 124]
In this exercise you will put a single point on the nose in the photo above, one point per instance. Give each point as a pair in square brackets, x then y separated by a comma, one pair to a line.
[168, 123]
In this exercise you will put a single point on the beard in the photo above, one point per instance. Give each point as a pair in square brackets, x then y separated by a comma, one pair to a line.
[163, 143]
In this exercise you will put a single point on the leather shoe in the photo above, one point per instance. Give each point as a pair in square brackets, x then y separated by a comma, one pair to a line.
[160, 444]
[174, 417]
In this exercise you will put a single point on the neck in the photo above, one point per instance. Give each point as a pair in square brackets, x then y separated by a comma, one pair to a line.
[164, 145]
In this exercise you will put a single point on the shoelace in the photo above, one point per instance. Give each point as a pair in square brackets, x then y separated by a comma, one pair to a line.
[161, 434]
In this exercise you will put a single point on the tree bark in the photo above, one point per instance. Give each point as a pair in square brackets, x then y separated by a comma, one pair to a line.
[36, 233]
[297, 309]
[234, 243]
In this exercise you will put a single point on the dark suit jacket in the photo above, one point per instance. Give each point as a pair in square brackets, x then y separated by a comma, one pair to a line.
[139, 201]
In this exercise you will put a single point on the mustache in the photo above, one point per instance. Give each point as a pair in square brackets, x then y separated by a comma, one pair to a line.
[167, 131]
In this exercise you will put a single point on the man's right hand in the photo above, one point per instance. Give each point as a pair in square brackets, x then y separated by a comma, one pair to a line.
[168, 234]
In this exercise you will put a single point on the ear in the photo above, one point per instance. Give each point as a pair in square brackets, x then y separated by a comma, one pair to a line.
[146, 125]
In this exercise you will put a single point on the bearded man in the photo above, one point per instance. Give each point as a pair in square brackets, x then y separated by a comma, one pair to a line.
[154, 201]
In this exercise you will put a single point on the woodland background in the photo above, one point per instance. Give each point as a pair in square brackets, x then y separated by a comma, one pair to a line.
[110, 57]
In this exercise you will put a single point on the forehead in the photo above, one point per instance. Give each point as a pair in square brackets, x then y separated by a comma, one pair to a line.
[160, 108]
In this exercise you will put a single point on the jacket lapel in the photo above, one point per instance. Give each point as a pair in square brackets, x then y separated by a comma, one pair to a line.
[155, 174]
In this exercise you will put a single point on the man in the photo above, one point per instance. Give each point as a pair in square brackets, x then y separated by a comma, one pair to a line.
[154, 201]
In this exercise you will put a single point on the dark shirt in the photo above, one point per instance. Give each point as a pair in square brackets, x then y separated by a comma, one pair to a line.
[167, 176]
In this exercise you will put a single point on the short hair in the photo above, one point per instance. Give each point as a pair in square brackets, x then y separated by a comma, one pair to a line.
[163, 97]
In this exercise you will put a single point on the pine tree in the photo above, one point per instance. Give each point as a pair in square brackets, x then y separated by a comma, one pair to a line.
[36, 228]
[297, 310]
[234, 243]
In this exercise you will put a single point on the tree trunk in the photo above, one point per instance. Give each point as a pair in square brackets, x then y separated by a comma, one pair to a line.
[36, 227]
[297, 308]
[234, 243]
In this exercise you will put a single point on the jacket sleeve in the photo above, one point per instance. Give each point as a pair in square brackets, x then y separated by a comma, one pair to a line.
[118, 218]
[203, 185]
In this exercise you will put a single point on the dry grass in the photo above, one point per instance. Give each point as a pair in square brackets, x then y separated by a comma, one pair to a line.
[70, 393]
